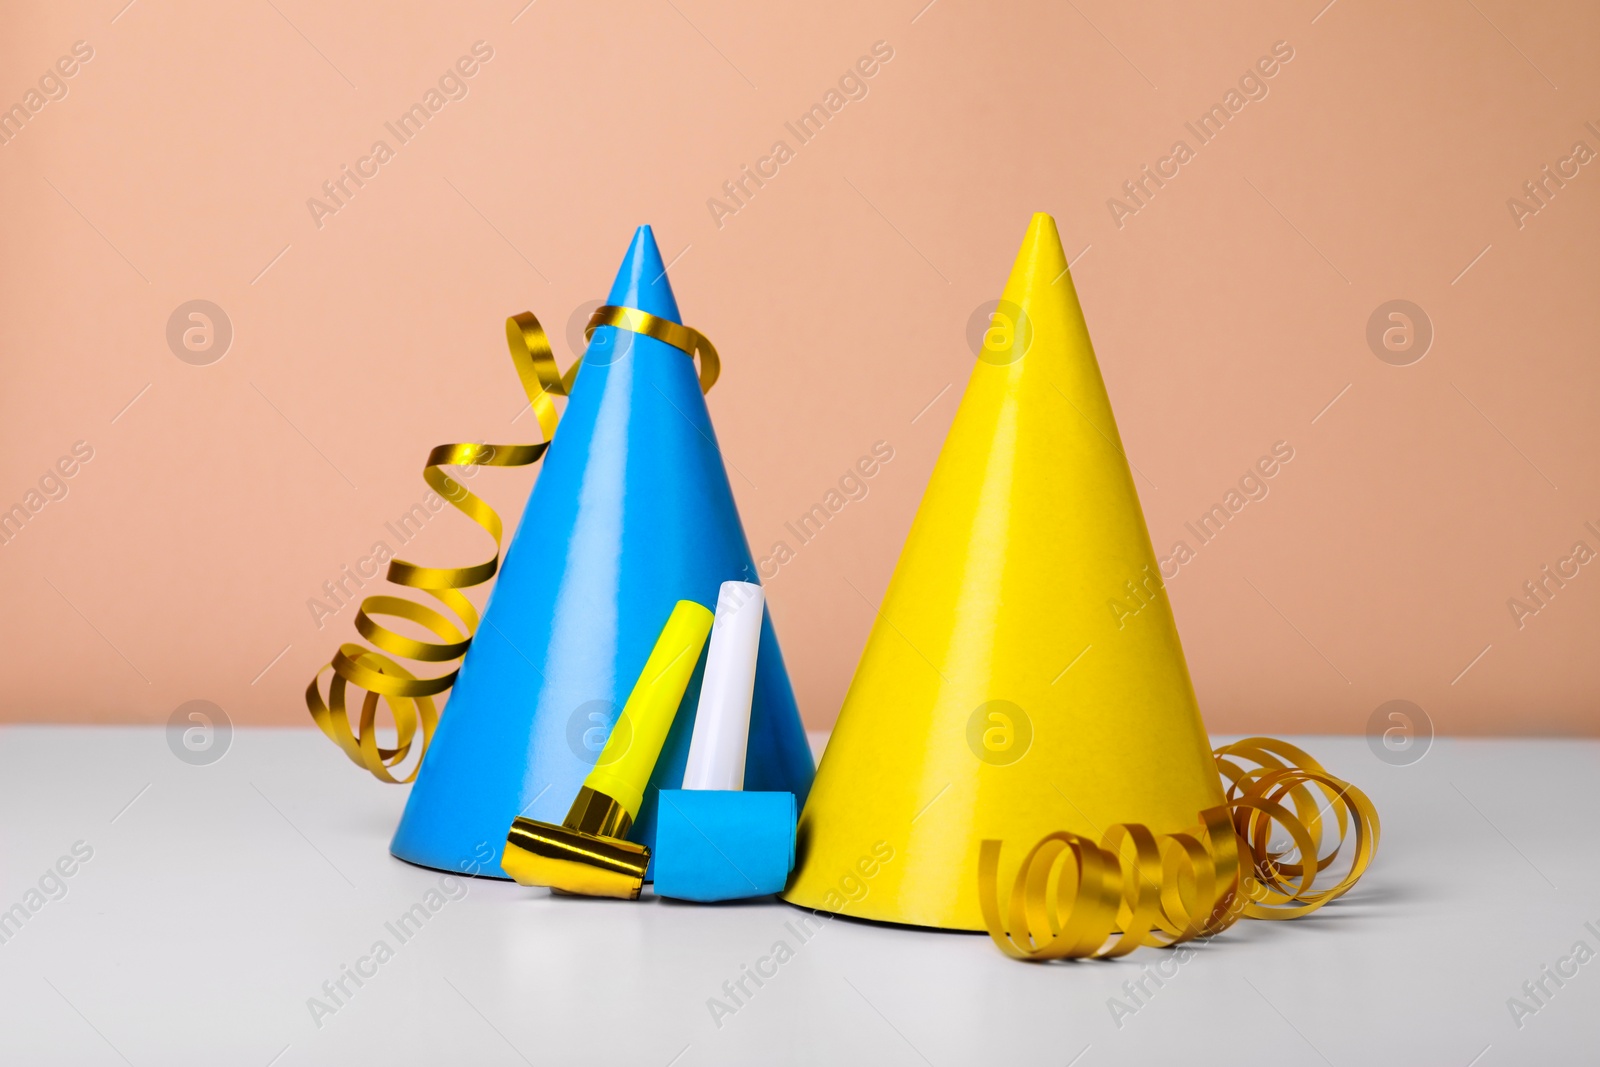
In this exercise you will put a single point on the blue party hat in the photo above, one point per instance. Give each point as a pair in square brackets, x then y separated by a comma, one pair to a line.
[631, 513]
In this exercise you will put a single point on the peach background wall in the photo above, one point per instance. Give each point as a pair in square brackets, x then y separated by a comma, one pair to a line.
[1230, 311]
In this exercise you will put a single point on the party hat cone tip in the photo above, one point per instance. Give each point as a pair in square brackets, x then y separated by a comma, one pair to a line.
[642, 279]
[1040, 260]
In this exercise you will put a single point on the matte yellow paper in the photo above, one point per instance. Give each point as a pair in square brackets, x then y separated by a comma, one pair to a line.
[1000, 695]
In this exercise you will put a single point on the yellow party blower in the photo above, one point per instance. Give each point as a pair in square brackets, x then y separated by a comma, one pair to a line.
[588, 853]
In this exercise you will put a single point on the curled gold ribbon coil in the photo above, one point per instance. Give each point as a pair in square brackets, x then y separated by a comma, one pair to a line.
[1074, 898]
[687, 340]
[408, 696]
[1257, 795]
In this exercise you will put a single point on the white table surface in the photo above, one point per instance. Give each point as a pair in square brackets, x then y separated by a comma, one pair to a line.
[219, 898]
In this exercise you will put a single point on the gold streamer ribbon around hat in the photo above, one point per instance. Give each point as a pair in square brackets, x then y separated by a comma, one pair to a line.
[1074, 898]
[409, 696]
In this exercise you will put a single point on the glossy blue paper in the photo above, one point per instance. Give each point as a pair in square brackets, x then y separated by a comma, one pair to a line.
[631, 513]
[717, 844]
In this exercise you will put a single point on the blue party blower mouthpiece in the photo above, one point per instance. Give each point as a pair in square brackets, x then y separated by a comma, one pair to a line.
[713, 840]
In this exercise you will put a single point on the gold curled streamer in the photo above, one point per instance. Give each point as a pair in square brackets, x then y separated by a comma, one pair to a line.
[1074, 898]
[681, 337]
[408, 696]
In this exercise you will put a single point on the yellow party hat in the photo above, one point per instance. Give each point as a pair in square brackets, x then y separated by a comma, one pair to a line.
[1024, 674]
